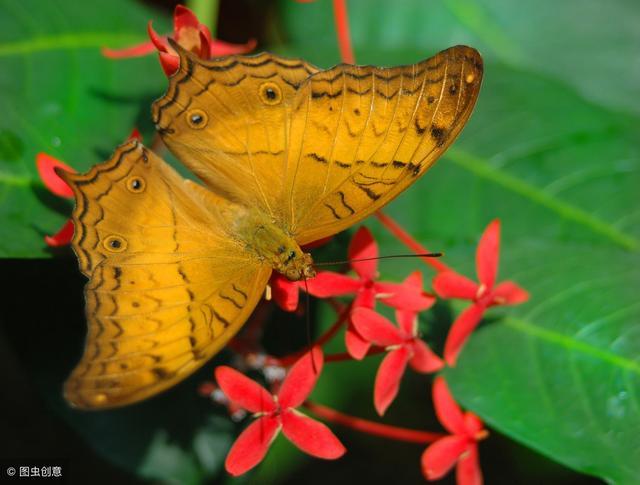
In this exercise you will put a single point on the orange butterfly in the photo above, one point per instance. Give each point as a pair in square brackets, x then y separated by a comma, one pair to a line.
[288, 154]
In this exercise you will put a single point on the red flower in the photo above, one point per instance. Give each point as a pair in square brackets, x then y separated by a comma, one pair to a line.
[190, 34]
[276, 413]
[404, 296]
[46, 165]
[460, 447]
[404, 346]
[449, 284]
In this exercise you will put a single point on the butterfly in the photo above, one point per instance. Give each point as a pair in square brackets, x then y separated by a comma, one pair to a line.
[287, 154]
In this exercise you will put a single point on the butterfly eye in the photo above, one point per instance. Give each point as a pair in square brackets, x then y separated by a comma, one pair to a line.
[270, 93]
[136, 184]
[115, 244]
[197, 119]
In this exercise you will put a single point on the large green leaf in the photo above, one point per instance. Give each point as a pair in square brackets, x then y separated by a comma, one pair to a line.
[61, 96]
[562, 373]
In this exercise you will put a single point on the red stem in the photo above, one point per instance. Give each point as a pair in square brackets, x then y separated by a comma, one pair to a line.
[372, 428]
[394, 228]
[342, 28]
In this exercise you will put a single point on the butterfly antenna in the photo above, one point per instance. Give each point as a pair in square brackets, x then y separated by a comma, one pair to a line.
[392, 256]
[308, 318]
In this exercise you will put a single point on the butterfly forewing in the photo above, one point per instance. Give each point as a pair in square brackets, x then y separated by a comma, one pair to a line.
[361, 135]
[241, 104]
[316, 150]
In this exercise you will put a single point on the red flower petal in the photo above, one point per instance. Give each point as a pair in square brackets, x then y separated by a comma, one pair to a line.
[183, 17]
[62, 237]
[424, 359]
[135, 135]
[365, 297]
[509, 293]
[205, 36]
[133, 51]
[447, 410]
[449, 284]
[311, 436]
[403, 296]
[362, 246]
[414, 279]
[301, 379]
[244, 391]
[205, 43]
[473, 424]
[46, 165]
[375, 328]
[407, 321]
[357, 346]
[159, 42]
[441, 456]
[220, 48]
[468, 470]
[252, 445]
[169, 63]
[328, 283]
[460, 332]
[488, 253]
[284, 292]
[388, 378]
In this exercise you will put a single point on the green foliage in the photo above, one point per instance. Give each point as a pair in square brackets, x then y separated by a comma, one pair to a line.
[60, 95]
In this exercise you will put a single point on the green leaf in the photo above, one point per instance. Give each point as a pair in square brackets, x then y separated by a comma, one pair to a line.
[561, 374]
[63, 97]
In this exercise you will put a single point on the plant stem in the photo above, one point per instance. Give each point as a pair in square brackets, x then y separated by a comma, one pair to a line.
[342, 29]
[370, 427]
[394, 228]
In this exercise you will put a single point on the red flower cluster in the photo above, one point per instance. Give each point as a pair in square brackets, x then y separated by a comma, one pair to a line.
[277, 413]
[189, 33]
[362, 253]
[460, 447]
[449, 284]
[404, 347]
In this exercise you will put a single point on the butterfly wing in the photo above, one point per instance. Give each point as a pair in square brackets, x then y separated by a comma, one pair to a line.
[227, 120]
[361, 135]
[168, 287]
[317, 150]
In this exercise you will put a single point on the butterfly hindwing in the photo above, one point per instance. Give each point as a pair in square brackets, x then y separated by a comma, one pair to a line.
[168, 288]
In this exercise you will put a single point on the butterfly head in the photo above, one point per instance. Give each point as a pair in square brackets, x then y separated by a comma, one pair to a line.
[296, 265]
